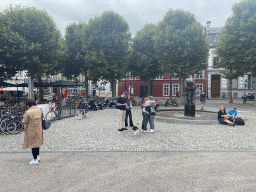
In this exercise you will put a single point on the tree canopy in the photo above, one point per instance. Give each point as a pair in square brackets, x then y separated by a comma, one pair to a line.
[109, 36]
[12, 48]
[39, 32]
[144, 62]
[181, 46]
[237, 49]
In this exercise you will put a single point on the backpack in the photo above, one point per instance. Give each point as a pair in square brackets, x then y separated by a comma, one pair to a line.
[148, 110]
[239, 121]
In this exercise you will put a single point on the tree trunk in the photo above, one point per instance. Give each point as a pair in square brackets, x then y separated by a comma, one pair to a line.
[230, 91]
[113, 85]
[41, 93]
[86, 85]
[181, 85]
[150, 87]
[31, 88]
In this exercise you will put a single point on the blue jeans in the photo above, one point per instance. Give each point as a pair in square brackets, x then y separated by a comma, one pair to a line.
[152, 122]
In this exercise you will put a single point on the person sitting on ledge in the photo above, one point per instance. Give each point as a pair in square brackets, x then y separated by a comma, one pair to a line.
[223, 117]
[232, 113]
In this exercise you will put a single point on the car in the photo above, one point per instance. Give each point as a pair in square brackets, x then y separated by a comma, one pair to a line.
[249, 97]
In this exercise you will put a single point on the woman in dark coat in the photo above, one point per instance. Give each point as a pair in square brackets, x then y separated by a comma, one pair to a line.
[223, 117]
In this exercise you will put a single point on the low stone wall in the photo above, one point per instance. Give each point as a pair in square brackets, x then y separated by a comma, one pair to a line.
[177, 116]
[184, 121]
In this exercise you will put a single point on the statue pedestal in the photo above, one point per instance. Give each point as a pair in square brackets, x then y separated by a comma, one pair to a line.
[190, 110]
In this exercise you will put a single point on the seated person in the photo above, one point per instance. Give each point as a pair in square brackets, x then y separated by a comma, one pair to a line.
[223, 117]
[232, 113]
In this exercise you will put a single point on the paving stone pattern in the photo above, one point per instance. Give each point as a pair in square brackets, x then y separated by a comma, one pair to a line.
[98, 132]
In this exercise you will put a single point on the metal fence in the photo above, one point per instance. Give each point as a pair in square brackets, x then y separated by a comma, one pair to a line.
[67, 108]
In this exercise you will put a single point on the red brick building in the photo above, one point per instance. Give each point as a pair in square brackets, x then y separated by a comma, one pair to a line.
[162, 86]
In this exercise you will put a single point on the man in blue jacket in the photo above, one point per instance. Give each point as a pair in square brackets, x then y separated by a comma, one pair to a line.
[232, 113]
[122, 107]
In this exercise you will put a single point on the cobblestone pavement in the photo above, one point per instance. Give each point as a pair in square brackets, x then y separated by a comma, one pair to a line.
[98, 132]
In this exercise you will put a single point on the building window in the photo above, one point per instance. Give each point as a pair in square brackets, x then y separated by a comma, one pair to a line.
[215, 60]
[199, 89]
[249, 81]
[175, 89]
[175, 77]
[199, 75]
[166, 89]
[131, 90]
[159, 77]
[132, 77]
[234, 83]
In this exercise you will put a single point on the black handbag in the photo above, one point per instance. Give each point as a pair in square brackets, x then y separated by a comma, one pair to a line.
[46, 125]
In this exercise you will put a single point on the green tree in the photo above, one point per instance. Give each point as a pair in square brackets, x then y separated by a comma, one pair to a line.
[109, 34]
[237, 48]
[42, 38]
[78, 59]
[12, 49]
[144, 62]
[74, 64]
[228, 52]
[181, 46]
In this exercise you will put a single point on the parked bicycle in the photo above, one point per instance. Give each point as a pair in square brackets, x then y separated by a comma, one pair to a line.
[11, 122]
[134, 102]
[82, 110]
[171, 101]
[53, 114]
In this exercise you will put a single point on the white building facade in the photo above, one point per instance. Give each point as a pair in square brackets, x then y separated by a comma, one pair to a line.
[217, 85]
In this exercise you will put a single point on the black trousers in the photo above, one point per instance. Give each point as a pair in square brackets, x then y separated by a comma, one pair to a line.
[145, 120]
[35, 152]
[128, 113]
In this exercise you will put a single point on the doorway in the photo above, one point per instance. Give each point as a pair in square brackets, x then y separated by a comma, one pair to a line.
[143, 90]
[215, 86]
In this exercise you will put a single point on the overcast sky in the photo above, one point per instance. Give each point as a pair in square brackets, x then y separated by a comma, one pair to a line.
[136, 12]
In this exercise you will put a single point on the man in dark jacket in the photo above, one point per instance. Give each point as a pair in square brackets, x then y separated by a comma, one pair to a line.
[122, 107]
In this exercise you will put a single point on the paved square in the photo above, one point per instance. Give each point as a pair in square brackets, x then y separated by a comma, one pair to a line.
[98, 132]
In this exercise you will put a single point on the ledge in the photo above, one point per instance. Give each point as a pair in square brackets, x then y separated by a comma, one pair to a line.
[183, 121]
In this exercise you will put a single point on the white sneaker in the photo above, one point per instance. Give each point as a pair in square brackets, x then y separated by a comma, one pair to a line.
[151, 130]
[145, 131]
[38, 158]
[33, 162]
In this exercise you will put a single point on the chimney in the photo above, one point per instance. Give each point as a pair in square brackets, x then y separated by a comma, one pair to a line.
[208, 25]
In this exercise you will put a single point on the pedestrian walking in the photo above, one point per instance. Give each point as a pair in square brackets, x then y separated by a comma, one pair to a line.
[149, 113]
[33, 137]
[122, 107]
[129, 112]
[202, 100]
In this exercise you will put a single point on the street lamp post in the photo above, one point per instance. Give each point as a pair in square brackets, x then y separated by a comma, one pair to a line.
[245, 85]
[17, 98]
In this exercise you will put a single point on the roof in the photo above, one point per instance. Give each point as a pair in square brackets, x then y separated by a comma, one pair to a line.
[215, 30]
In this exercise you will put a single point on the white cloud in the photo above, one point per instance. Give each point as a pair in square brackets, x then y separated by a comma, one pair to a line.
[136, 12]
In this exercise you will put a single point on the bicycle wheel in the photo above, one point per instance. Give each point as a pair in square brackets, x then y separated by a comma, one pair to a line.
[79, 114]
[19, 127]
[50, 116]
[3, 126]
[11, 127]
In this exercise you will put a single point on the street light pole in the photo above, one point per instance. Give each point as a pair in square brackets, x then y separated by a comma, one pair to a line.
[244, 90]
[16, 81]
